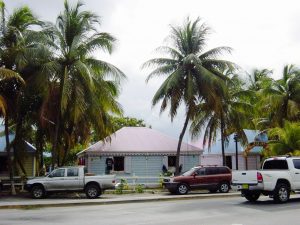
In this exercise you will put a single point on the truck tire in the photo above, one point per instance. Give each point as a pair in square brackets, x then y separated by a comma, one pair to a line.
[281, 193]
[92, 191]
[38, 192]
[251, 196]
[182, 189]
[224, 187]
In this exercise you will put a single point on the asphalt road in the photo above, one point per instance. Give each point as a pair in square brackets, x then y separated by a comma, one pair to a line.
[218, 211]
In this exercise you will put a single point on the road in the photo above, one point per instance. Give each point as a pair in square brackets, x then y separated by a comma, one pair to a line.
[217, 211]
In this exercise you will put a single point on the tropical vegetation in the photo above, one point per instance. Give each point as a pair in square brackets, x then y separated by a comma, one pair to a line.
[56, 94]
[217, 98]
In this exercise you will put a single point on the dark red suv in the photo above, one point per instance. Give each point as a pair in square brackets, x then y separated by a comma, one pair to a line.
[212, 178]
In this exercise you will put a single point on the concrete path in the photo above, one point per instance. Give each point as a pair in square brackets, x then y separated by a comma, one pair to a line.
[63, 200]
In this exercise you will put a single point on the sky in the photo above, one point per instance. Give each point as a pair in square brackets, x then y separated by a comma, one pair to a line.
[263, 34]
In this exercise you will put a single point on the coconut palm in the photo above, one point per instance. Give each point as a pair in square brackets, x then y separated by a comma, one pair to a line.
[192, 75]
[283, 97]
[84, 85]
[230, 113]
[285, 140]
[259, 79]
[23, 50]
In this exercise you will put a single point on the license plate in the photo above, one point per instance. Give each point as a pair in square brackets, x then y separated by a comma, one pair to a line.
[245, 186]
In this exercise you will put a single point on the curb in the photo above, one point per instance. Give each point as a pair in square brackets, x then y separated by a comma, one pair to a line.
[111, 202]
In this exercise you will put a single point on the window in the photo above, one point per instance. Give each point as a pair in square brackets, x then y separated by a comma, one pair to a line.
[296, 163]
[72, 172]
[171, 161]
[58, 173]
[223, 170]
[211, 170]
[119, 163]
[275, 165]
[200, 172]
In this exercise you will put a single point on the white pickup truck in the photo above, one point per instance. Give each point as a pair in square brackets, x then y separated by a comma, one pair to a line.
[70, 179]
[277, 178]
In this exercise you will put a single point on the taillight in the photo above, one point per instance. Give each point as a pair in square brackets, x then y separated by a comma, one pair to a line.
[259, 177]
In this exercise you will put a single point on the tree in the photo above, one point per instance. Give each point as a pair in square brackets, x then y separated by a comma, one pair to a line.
[84, 88]
[119, 122]
[259, 79]
[9, 80]
[192, 75]
[14, 30]
[283, 97]
[230, 113]
[285, 140]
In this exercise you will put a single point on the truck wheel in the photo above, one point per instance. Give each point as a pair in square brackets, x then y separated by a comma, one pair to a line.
[38, 192]
[92, 191]
[182, 189]
[224, 187]
[252, 196]
[281, 193]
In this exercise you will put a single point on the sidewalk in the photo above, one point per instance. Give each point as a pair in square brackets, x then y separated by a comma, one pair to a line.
[25, 202]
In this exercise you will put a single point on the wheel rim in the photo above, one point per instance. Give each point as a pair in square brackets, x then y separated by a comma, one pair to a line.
[38, 192]
[92, 192]
[283, 194]
[182, 189]
[224, 188]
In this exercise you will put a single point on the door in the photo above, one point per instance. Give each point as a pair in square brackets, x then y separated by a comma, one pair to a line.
[199, 180]
[212, 177]
[296, 174]
[55, 180]
[72, 181]
[228, 159]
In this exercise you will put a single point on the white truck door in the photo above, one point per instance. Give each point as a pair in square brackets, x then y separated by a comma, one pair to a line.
[295, 173]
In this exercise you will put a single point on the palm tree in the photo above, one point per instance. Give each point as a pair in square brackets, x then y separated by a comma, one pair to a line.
[259, 79]
[192, 75]
[82, 83]
[285, 140]
[9, 81]
[18, 43]
[230, 113]
[283, 97]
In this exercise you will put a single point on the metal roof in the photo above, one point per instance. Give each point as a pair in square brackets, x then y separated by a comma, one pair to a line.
[139, 140]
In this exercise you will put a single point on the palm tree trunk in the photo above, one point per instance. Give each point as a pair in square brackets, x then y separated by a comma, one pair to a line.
[55, 155]
[39, 151]
[9, 156]
[223, 140]
[180, 141]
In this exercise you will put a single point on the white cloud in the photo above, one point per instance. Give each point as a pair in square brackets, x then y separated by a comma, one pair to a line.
[263, 34]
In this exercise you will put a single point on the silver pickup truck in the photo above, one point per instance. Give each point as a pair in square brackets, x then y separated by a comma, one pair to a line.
[70, 179]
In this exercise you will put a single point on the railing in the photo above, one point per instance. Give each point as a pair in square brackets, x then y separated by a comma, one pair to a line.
[17, 182]
[146, 181]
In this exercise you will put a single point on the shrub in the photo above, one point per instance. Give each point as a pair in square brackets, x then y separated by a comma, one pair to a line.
[139, 188]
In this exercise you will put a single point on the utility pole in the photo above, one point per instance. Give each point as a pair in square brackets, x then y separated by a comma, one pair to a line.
[236, 139]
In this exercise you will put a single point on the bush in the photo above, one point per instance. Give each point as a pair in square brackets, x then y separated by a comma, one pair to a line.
[122, 186]
[139, 188]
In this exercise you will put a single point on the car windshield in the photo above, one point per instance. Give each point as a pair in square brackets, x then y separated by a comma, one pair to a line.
[189, 172]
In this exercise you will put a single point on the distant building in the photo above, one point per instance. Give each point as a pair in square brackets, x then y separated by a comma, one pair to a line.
[138, 151]
[253, 161]
[29, 162]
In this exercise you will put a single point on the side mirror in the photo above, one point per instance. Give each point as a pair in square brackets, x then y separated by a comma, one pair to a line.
[50, 175]
[194, 175]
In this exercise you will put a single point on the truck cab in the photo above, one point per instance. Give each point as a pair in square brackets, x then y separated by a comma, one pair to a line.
[277, 178]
